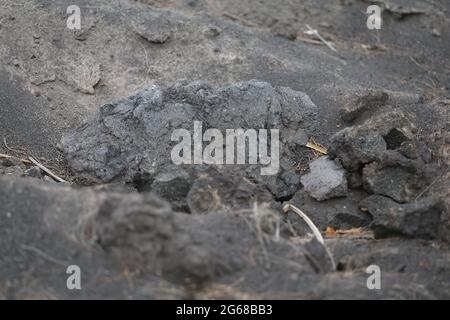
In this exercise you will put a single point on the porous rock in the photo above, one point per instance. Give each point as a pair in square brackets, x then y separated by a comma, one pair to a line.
[394, 181]
[365, 143]
[131, 139]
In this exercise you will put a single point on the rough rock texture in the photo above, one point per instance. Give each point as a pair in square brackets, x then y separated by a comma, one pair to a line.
[421, 219]
[394, 182]
[213, 192]
[365, 143]
[326, 180]
[131, 138]
[398, 169]
[48, 74]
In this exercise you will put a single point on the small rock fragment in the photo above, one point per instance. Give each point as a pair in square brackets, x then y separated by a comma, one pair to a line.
[326, 180]
[33, 172]
[82, 72]
[435, 32]
[300, 138]
[212, 32]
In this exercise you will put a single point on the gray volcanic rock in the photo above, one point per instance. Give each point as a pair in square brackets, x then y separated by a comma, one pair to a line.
[421, 219]
[131, 139]
[365, 143]
[394, 181]
[326, 180]
[47, 79]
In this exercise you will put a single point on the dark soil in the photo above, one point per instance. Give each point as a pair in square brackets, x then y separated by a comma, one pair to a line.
[221, 233]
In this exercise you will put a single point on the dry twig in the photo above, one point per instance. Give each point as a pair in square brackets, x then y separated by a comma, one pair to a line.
[6, 156]
[313, 228]
[316, 147]
[314, 32]
[47, 171]
[243, 21]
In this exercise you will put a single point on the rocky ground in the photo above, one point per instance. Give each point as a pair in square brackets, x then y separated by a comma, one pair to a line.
[96, 107]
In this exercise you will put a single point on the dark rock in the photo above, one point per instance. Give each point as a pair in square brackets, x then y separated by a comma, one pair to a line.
[173, 184]
[354, 180]
[420, 219]
[130, 140]
[394, 138]
[326, 180]
[213, 192]
[365, 143]
[190, 249]
[346, 220]
[395, 182]
[300, 138]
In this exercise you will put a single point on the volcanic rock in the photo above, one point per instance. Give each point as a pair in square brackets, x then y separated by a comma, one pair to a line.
[130, 140]
[365, 143]
[326, 180]
[420, 219]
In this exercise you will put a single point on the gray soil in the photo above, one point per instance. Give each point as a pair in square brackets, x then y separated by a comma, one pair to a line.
[94, 106]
